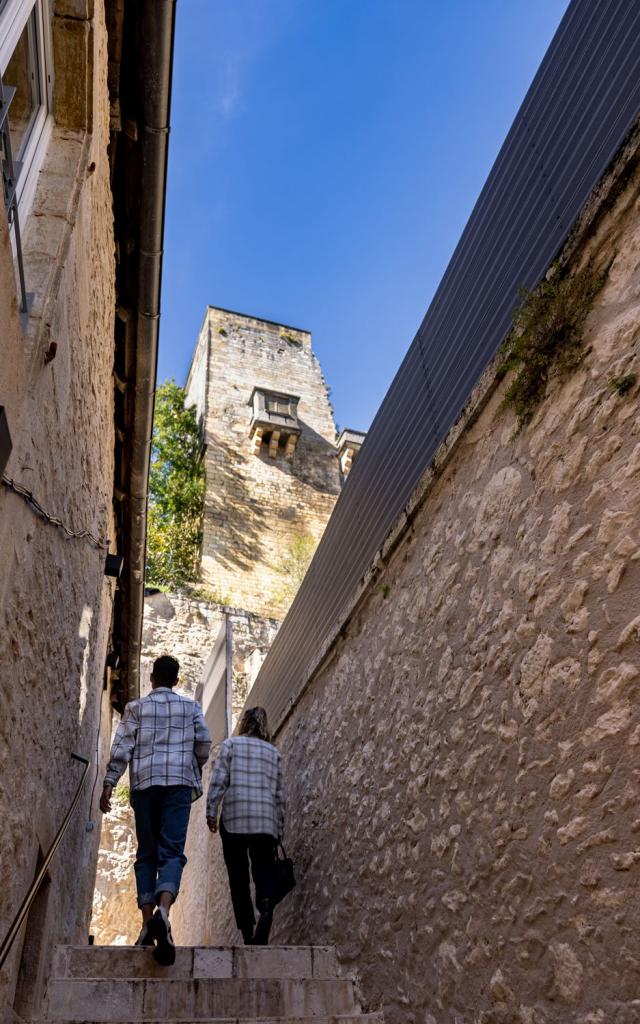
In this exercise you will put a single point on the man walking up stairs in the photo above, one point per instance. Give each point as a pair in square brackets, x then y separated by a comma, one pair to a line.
[164, 740]
[121, 985]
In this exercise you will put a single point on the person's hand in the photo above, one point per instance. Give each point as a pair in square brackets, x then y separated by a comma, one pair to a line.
[105, 799]
[212, 824]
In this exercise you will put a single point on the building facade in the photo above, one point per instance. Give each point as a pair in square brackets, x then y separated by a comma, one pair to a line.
[68, 284]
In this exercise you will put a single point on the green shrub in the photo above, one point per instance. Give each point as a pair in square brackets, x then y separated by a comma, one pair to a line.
[212, 596]
[623, 384]
[547, 337]
[293, 565]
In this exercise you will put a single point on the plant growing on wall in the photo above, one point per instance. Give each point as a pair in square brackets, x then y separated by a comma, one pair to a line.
[293, 565]
[176, 491]
[546, 340]
[623, 384]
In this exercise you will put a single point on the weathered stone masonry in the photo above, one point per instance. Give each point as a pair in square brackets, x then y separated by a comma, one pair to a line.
[462, 770]
[257, 507]
[55, 602]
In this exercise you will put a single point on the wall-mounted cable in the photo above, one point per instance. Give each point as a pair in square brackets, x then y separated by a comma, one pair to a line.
[101, 544]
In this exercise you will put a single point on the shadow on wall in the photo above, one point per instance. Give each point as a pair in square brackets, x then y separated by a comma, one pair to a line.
[236, 508]
[315, 462]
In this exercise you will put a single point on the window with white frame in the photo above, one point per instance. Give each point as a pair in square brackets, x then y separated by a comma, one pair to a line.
[25, 107]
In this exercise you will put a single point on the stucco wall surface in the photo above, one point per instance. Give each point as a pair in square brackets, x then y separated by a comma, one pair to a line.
[55, 603]
[462, 772]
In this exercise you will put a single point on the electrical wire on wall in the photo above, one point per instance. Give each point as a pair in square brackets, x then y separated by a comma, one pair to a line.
[97, 542]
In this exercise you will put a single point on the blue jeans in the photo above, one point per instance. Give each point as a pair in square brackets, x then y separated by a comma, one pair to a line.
[162, 817]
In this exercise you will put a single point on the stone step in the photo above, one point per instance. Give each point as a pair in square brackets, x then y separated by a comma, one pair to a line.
[122, 962]
[336, 1018]
[151, 999]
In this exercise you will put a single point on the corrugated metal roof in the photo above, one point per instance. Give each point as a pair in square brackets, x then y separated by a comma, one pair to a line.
[574, 118]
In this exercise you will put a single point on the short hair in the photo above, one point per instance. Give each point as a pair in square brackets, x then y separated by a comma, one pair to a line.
[165, 670]
[254, 722]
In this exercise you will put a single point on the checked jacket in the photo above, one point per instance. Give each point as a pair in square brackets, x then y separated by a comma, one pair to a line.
[247, 778]
[164, 740]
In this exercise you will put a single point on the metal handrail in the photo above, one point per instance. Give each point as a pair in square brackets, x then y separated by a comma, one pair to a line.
[25, 907]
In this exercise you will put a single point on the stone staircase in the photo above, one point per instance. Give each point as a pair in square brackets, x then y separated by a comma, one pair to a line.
[266, 984]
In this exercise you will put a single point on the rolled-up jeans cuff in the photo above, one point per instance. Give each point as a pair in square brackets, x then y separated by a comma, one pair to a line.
[145, 898]
[165, 887]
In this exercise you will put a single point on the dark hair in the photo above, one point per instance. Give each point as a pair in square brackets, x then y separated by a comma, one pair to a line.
[165, 670]
[254, 722]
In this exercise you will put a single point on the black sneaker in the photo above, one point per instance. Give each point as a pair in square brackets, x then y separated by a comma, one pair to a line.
[165, 951]
[263, 927]
[145, 938]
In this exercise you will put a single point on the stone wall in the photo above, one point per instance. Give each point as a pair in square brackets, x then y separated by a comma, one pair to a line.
[55, 602]
[262, 515]
[462, 770]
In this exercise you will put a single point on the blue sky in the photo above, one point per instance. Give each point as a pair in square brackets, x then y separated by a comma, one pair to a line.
[325, 156]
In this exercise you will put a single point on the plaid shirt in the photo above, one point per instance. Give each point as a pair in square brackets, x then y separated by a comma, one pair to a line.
[247, 777]
[164, 739]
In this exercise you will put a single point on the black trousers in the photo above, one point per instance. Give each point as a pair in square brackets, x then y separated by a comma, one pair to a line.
[237, 848]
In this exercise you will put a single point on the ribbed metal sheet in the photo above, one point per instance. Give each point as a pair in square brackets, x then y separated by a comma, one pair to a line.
[581, 105]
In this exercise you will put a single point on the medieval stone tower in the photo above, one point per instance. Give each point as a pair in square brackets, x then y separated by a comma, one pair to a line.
[272, 465]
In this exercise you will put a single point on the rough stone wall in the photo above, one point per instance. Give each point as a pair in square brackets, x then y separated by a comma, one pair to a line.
[257, 509]
[462, 771]
[186, 628]
[115, 920]
[55, 603]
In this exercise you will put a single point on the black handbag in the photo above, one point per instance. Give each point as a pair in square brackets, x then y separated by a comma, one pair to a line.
[285, 878]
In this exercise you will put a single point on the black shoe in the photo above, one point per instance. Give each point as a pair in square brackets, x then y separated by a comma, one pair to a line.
[247, 935]
[145, 938]
[263, 927]
[165, 951]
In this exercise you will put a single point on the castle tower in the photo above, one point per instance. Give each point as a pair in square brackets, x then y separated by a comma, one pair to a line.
[271, 461]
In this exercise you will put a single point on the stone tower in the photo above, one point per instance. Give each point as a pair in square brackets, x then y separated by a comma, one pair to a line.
[271, 461]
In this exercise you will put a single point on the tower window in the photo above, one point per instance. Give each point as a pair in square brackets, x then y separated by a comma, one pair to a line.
[274, 422]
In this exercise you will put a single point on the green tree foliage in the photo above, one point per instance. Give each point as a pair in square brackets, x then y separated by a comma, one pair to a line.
[176, 491]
